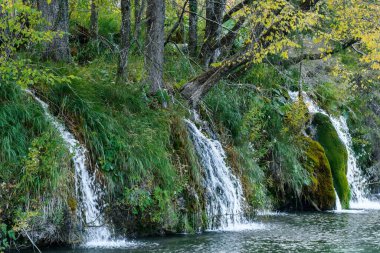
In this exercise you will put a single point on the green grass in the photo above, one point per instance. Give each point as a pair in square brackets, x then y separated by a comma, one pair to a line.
[332, 97]
[125, 136]
[35, 165]
[136, 144]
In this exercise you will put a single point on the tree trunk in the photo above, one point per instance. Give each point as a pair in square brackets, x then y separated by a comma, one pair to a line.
[57, 14]
[94, 29]
[193, 27]
[124, 40]
[214, 18]
[195, 89]
[139, 10]
[155, 41]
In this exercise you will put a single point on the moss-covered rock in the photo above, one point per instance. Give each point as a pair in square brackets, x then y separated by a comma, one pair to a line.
[336, 153]
[320, 193]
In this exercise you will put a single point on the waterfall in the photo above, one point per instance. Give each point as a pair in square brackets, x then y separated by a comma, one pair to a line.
[88, 191]
[338, 205]
[224, 192]
[355, 177]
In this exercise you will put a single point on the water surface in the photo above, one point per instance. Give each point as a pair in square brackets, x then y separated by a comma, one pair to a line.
[354, 231]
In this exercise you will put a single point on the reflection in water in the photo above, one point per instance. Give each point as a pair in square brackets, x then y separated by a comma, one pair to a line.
[306, 232]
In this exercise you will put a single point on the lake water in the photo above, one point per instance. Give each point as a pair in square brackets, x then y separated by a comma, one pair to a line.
[352, 231]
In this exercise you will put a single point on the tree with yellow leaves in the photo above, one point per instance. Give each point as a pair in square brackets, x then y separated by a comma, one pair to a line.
[276, 26]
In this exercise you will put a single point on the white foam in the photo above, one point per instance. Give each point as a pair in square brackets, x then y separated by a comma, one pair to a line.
[111, 244]
[240, 227]
[270, 213]
[349, 211]
[365, 204]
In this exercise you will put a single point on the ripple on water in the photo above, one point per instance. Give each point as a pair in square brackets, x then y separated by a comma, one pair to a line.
[112, 244]
[312, 232]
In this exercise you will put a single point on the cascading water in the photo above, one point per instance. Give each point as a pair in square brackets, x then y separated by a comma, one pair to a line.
[338, 205]
[355, 178]
[88, 191]
[224, 192]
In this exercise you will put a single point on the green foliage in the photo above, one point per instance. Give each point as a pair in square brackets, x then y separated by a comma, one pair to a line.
[109, 24]
[349, 59]
[46, 168]
[19, 29]
[228, 106]
[6, 235]
[284, 148]
[337, 155]
[119, 127]
[29, 145]
[138, 199]
[264, 76]
[364, 122]
[84, 48]
[21, 120]
[332, 97]
[296, 118]
[288, 147]
[109, 17]
[178, 67]
[253, 178]
[241, 108]
[288, 173]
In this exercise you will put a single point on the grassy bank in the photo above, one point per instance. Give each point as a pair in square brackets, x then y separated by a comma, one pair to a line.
[147, 163]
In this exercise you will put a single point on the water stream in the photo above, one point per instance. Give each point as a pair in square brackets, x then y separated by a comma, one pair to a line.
[88, 191]
[224, 192]
[355, 177]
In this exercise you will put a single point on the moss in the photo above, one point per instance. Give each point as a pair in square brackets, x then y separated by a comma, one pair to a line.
[336, 153]
[321, 190]
[72, 203]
